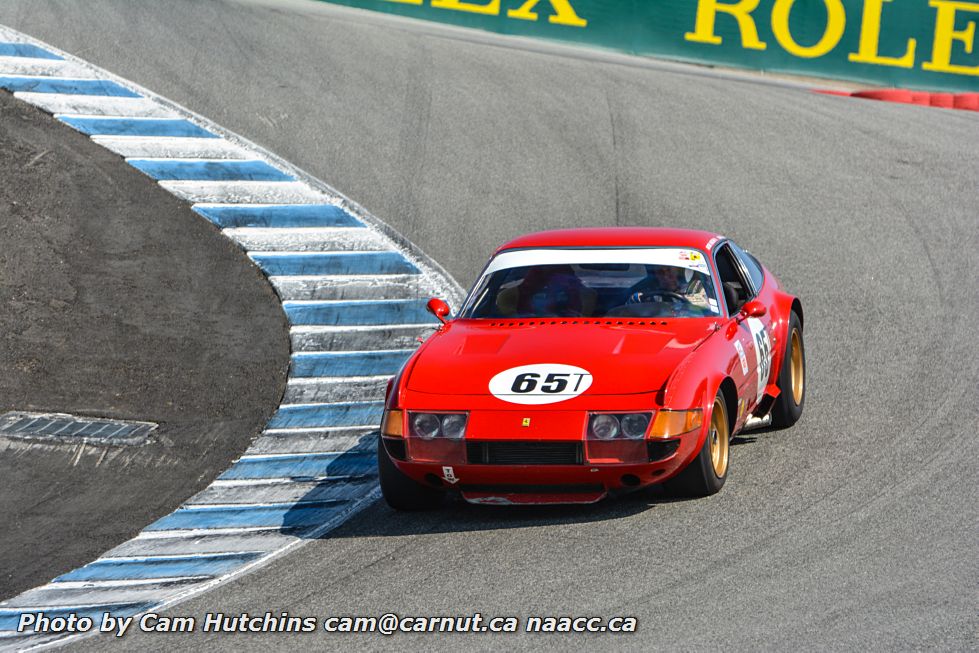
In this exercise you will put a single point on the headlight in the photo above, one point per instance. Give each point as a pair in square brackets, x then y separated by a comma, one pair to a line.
[608, 426]
[425, 425]
[634, 425]
[604, 427]
[434, 425]
[674, 422]
[454, 426]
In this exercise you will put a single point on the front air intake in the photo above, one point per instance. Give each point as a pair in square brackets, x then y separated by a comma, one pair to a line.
[524, 453]
[661, 449]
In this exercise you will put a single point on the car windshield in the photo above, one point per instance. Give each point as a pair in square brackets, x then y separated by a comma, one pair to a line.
[541, 283]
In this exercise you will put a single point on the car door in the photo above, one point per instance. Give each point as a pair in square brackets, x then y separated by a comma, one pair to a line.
[761, 327]
[751, 336]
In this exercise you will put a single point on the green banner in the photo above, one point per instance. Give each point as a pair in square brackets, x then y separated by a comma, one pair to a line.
[920, 44]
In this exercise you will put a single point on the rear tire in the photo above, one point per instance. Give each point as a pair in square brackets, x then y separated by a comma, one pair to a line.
[401, 492]
[791, 378]
[705, 475]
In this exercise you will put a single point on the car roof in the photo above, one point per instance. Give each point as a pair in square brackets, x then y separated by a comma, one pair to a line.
[615, 237]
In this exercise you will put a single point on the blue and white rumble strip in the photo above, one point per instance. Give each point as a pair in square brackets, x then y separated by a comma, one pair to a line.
[354, 294]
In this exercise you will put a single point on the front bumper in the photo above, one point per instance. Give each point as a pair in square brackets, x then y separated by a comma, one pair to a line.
[584, 482]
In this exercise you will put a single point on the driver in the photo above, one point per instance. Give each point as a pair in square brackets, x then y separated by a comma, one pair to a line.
[672, 285]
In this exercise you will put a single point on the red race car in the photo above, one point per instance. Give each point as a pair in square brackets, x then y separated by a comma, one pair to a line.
[587, 362]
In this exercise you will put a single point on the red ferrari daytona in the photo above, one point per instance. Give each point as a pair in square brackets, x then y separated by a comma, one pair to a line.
[589, 362]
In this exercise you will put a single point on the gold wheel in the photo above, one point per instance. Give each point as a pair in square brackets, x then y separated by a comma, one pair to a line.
[719, 438]
[798, 368]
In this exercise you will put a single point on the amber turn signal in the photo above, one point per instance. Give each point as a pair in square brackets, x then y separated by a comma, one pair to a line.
[669, 423]
[392, 426]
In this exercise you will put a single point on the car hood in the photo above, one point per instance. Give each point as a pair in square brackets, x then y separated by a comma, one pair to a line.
[465, 356]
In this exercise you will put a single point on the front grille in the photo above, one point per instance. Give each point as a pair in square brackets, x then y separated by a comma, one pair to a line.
[524, 453]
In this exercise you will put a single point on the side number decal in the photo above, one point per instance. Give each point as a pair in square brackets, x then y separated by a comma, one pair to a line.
[763, 348]
[543, 383]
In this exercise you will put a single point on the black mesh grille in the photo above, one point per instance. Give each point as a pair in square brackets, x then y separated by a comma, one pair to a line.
[524, 453]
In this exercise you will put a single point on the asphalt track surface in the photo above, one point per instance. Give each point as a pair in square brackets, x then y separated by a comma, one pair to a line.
[118, 301]
[855, 529]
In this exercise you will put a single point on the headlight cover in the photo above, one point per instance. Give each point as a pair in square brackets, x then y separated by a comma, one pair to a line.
[425, 425]
[604, 427]
[438, 425]
[454, 426]
[634, 425]
[608, 426]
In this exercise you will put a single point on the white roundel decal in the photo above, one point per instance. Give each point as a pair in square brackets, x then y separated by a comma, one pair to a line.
[543, 383]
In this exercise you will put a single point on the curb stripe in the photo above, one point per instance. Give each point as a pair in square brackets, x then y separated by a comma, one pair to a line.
[283, 518]
[66, 592]
[280, 491]
[307, 263]
[353, 290]
[224, 170]
[389, 312]
[293, 493]
[325, 287]
[306, 239]
[122, 591]
[157, 568]
[27, 67]
[245, 192]
[346, 389]
[283, 215]
[26, 50]
[134, 126]
[300, 442]
[171, 146]
[330, 364]
[94, 105]
[323, 430]
[163, 544]
[348, 414]
[308, 338]
[61, 85]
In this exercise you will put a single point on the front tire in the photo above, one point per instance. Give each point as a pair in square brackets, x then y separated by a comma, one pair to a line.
[791, 378]
[401, 492]
[705, 475]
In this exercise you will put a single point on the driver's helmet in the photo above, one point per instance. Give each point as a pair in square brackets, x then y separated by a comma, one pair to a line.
[550, 290]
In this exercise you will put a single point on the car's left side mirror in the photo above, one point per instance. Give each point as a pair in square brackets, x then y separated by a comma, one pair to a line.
[438, 308]
[754, 308]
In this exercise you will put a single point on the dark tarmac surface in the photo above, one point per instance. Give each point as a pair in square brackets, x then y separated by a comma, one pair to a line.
[117, 301]
[856, 529]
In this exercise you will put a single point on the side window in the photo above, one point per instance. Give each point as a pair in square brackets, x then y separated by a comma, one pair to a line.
[735, 287]
[751, 265]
